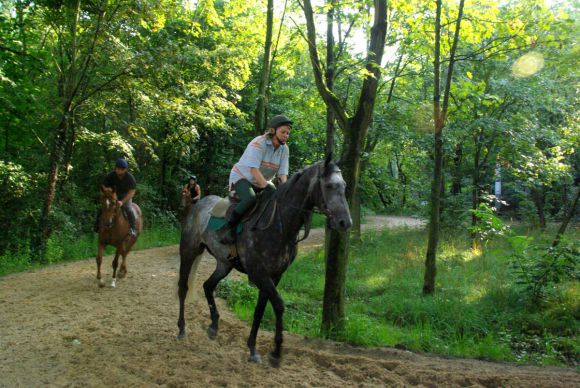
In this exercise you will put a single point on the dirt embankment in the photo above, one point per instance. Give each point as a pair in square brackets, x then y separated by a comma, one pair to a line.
[57, 328]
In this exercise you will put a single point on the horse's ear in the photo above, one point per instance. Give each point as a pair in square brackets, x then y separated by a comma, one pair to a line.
[328, 160]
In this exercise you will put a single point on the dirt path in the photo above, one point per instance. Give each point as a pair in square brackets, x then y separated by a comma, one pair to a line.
[57, 328]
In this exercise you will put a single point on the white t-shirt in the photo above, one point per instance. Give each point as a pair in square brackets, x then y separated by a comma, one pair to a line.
[260, 153]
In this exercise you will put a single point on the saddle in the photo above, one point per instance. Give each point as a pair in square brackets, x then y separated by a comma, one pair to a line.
[222, 210]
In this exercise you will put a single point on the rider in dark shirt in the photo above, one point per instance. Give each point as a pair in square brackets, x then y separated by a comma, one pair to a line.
[193, 188]
[124, 184]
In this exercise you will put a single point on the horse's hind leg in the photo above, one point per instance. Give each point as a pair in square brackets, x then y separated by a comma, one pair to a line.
[188, 259]
[123, 269]
[115, 265]
[222, 270]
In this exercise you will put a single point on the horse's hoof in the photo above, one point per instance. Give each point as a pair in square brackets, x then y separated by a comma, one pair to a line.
[181, 334]
[101, 284]
[211, 332]
[274, 361]
[255, 358]
[122, 274]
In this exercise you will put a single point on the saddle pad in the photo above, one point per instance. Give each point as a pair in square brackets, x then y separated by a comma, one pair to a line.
[220, 208]
[216, 223]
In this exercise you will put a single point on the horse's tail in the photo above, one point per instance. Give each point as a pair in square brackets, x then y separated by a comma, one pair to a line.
[192, 274]
[190, 251]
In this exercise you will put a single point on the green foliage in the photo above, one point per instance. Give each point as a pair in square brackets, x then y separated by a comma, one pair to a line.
[488, 224]
[540, 269]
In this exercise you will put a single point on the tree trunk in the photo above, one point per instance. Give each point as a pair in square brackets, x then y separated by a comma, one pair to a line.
[439, 117]
[355, 130]
[356, 215]
[68, 85]
[41, 239]
[262, 103]
[567, 217]
[456, 172]
[70, 143]
[476, 194]
[538, 197]
[329, 76]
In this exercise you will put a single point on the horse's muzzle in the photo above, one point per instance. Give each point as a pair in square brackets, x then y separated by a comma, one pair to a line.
[340, 224]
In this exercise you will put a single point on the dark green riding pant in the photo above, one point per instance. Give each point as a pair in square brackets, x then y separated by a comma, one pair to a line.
[247, 196]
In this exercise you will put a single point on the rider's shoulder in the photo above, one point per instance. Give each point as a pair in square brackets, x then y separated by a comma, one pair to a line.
[259, 142]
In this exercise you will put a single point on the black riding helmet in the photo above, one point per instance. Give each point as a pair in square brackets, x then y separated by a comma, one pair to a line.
[193, 177]
[278, 121]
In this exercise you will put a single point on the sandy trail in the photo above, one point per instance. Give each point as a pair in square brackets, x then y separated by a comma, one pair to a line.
[57, 328]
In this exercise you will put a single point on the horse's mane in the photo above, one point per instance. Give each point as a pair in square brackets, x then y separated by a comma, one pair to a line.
[285, 187]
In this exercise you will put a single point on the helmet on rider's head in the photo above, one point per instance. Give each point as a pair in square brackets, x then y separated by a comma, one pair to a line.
[193, 177]
[121, 163]
[278, 121]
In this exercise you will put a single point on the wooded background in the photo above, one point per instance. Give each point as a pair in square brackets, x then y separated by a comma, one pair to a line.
[432, 107]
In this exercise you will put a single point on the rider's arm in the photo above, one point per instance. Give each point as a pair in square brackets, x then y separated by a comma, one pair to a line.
[198, 191]
[261, 182]
[283, 170]
[129, 195]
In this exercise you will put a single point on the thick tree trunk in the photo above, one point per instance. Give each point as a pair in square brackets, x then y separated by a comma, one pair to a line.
[41, 239]
[338, 247]
[67, 88]
[262, 103]
[355, 131]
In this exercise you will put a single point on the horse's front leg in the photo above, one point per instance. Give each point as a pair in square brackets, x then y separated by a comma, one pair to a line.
[115, 266]
[258, 314]
[99, 262]
[268, 287]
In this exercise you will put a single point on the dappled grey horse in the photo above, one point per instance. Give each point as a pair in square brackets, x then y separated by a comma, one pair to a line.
[266, 246]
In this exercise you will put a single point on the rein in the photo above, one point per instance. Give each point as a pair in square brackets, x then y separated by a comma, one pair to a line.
[307, 220]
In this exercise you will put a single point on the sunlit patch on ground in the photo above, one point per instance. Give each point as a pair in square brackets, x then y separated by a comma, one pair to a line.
[376, 281]
[528, 64]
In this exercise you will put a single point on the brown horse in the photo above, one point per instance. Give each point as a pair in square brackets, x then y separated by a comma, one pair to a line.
[114, 230]
[185, 205]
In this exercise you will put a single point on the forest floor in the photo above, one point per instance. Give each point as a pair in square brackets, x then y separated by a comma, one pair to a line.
[57, 328]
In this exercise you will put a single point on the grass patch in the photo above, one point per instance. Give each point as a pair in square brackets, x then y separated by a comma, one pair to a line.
[61, 248]
[478, 310]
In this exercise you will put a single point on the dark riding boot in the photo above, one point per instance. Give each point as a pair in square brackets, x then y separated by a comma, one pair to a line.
[227, 234]
[128, 206]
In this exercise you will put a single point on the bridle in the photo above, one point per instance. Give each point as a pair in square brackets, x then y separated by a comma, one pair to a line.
[105, 201]
[305, 213]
